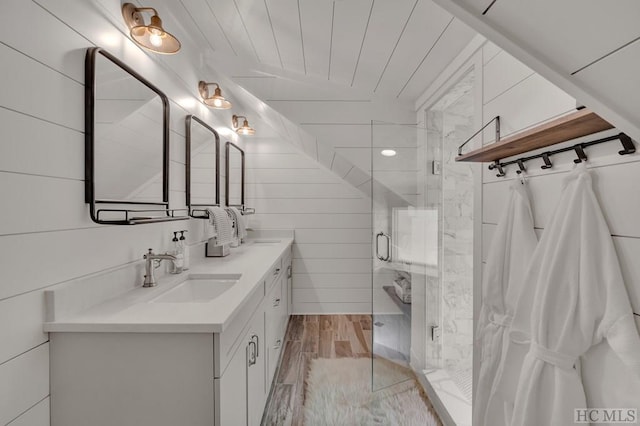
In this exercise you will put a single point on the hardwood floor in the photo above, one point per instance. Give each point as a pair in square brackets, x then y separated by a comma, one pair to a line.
[309, 337]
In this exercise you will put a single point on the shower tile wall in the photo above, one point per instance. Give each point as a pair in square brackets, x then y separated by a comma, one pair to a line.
[457, 244]
[450, 295]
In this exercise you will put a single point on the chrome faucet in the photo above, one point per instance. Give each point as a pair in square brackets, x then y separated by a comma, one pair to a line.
[151, 264]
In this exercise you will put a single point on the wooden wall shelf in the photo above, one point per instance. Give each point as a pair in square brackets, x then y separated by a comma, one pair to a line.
[568, 127]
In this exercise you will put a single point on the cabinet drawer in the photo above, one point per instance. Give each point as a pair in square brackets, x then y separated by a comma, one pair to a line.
[273, 355]
[287, 283]
[287, 256]
[273, 305]
[274, 298]
[274, 273]
[272, 311]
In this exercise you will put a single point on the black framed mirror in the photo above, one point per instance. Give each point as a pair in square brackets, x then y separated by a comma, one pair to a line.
[126, 144]
[234, 177]
[202, 167]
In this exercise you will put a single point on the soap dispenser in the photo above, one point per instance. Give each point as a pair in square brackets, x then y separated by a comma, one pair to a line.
[178, 264]
[185, 251]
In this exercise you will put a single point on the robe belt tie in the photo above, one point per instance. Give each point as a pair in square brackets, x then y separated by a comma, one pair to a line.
[560, 360]
[501, 320]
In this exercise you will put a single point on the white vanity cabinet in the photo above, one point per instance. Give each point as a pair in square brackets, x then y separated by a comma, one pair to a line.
[256, 383]
[289, 283]
[131, 379]
[274, 311]
[241, 388]
[155, 377]
[253, 365]
[277, 311]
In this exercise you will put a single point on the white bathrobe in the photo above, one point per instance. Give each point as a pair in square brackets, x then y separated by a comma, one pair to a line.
[579, 299]
[510, 254]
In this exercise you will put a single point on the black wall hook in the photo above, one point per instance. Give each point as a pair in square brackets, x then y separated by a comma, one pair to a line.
[496, 165]
[627, 144]
[580, 153]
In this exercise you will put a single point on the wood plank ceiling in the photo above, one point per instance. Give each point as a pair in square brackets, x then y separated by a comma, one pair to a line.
[390, 48]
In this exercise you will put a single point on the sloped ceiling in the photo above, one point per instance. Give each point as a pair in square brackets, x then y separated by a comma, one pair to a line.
[588, 48]
[319, 71]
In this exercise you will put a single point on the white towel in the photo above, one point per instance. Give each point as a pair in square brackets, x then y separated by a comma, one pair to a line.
[220, 220]
[241, 226]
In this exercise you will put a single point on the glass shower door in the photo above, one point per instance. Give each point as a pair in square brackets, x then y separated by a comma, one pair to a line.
[400, 243]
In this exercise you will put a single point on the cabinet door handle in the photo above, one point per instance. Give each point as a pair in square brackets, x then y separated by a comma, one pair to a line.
[251, 354]
[276, 303]
[278, 343]
[256, 341]
[289, 271]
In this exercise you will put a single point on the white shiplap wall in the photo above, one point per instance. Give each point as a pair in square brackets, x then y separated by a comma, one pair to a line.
[522, 99]
[332, 222]
[46, 236]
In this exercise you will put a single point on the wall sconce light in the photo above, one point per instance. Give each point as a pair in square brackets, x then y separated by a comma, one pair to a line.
[152, 36]
[216, 101]
[244, 129]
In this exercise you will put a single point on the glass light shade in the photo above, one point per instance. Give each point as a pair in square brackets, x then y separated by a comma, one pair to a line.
[155, 38]
[217, 101]
[388, 152]
[245, 129]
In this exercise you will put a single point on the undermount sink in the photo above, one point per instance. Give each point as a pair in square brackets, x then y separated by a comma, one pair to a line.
[199, 289]
[266, 242]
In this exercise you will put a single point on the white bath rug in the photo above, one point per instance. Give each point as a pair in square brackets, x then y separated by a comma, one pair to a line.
[339, 394]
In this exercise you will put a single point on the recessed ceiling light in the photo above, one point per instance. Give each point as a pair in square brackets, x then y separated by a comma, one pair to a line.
[388, 152]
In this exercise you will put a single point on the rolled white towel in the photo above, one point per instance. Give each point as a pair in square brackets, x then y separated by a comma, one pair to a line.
[220, 220]
[241, 226]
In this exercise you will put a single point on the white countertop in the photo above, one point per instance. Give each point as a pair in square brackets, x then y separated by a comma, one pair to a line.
[132, 312]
